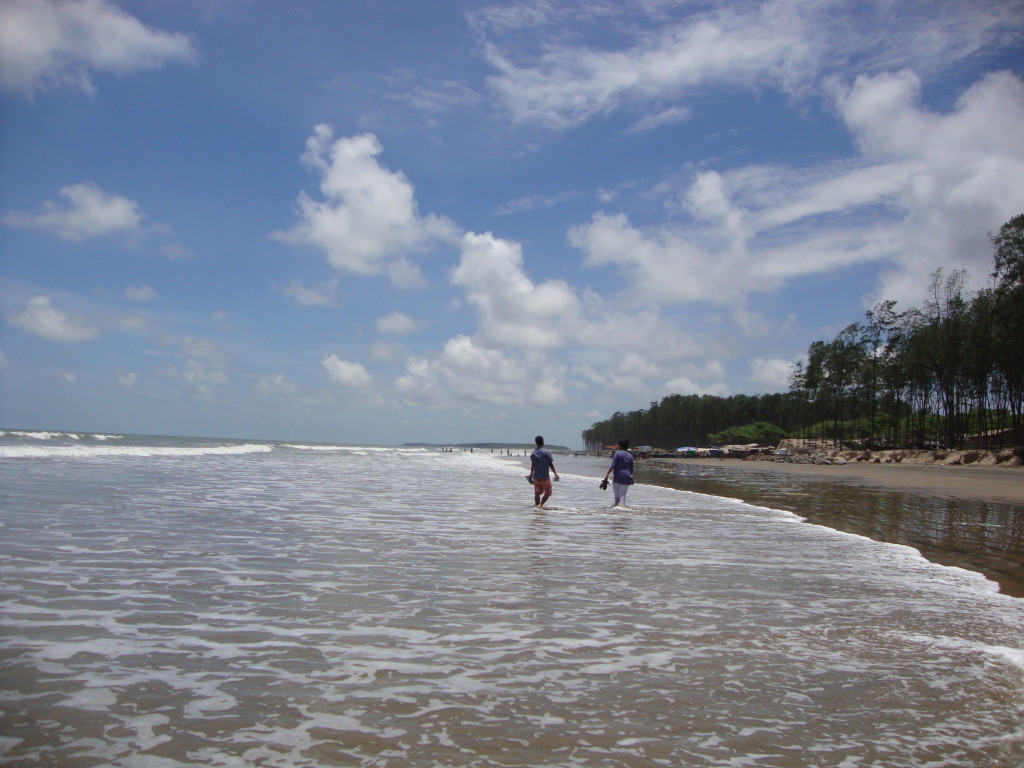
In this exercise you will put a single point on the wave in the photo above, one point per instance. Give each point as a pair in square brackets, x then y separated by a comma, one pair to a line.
[142, 451]
[42, 435]
[362, 450]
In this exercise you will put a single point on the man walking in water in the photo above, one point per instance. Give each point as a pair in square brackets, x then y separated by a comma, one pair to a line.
[622, 466]
[541, 461]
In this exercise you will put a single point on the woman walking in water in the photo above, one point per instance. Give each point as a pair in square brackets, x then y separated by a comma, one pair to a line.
[622, 467]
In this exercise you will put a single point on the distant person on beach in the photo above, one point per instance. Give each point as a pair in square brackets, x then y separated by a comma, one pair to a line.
[622, 467]
[542, 466]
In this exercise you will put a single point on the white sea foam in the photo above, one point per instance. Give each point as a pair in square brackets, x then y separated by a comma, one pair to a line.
[358, 450]
[43, 435]
[107, 451]
[357, 607]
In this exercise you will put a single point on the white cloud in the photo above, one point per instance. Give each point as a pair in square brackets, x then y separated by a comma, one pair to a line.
[532, 336]
[665, 264]
[192, 346]
[772, 374]
[200, 372]
[661, 53]
[534, 202]
[42, 319]
[670, 116]
[683, 385]
[396, 324]
[466, 371]
[131, 323]
[321, 294]
[569, 84]
[925, 192]
[277, 385]
[88, 212]
[513, 310]
[368, 221]
[345, 373]
[388, 351]
[47, 43]
[200, 375]
[140, 293]
[969, 171]
[127, 379]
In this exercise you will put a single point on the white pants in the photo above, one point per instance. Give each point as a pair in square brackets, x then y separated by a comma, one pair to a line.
[620, 492]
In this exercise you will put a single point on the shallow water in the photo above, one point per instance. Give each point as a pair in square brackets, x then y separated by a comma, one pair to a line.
[305, 606]
[982, 536]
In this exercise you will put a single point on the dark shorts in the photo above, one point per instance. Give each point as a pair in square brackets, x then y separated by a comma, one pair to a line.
[541, 486]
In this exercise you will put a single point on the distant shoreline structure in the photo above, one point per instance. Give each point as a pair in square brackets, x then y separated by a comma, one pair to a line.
[495, 446]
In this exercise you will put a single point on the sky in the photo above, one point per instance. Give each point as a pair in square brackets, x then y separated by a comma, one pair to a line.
[389, 221]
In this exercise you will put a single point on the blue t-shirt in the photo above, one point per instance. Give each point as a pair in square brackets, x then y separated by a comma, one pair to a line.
[541, 461]
[622, 468]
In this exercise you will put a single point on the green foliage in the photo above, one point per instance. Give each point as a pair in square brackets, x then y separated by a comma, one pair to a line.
[760, 432]
[680, 420]
[950, 369]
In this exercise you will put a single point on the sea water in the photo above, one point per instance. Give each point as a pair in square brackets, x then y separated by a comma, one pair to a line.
[170, 602]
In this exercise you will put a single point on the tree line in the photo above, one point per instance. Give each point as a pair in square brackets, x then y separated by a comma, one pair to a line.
[949, 372]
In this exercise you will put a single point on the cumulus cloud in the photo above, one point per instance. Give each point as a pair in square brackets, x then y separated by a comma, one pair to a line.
[41, 318]
[88, 211]
[924, 192]
[513, 310]
[968, 175]
[536, 339]
[467, 371]
[395, 324]
[345, 373]
[127, 379]
[665, 264]
[367, 222]
[49, 43]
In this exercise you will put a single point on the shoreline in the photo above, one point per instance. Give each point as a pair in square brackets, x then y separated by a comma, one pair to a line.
[998, 485]
[971, 517]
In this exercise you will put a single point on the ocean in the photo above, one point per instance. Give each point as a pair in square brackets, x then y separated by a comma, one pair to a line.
[190, 602]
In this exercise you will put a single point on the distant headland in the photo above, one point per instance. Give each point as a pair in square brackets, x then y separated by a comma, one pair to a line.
[485, 446]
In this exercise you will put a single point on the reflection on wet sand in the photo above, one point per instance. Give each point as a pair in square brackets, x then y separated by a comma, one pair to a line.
[978, 535]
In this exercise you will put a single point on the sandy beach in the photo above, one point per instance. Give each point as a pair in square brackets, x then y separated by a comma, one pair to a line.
[1004, 485]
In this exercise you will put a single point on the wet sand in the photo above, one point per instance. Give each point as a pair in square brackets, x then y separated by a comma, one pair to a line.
[965, 516]
[988, 484]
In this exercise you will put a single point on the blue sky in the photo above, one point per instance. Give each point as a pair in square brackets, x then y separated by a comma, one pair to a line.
[392, 221]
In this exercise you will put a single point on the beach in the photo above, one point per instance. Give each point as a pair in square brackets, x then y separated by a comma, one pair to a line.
[969, 517]
[981, 483]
